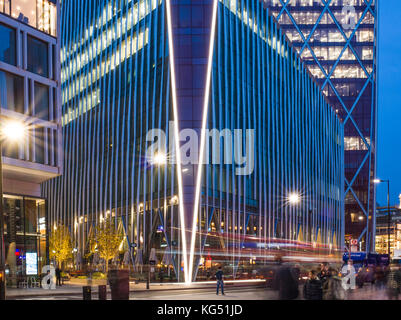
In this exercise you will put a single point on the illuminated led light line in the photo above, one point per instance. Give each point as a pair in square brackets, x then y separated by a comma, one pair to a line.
[177, 140]
[203, 137]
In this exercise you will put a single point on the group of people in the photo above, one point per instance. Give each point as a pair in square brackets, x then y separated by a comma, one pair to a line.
[324, 285]
[327, 283]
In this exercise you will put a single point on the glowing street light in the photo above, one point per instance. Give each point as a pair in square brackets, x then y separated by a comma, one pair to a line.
[14, 131]
[160, 159]
[174, 201]
[294, 198]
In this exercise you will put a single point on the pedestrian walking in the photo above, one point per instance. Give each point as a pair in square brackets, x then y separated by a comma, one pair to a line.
[286, 283]
[380, 278]
[360, 278]
[58, 276]
[313, 287]
[332, 287]
[220, 281]
[322, 275]
[394, 282]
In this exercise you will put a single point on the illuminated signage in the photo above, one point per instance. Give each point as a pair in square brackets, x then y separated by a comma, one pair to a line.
[31, 263]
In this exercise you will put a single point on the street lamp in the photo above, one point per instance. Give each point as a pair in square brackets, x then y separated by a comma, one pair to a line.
[13, 131]
[159, 159]
[294, 198]
[377, 181]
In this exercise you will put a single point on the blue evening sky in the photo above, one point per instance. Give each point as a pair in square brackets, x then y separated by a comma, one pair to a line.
[389, 108]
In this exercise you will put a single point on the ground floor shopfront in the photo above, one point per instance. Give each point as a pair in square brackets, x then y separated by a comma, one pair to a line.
[25, 238]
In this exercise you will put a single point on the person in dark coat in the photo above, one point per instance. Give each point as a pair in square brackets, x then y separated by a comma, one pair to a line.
[313, 287]
[323, 273]
[286, 283]
[58, 276]
[394, 282]
[380, 278]
[220, 282]
[332, 287]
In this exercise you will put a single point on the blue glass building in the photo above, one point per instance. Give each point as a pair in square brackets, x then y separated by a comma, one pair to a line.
[337, 39]
[222, 74]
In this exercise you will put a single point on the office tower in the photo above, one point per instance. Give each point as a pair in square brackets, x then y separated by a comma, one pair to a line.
[197, 130]
[31, 110]
[337, 39]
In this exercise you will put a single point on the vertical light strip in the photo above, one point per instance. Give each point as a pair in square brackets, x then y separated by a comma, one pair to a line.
[203, 138]
[177, 140]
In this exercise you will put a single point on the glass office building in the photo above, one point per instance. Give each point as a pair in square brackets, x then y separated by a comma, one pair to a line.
[337, 39]
[265, 177]
[29, 96]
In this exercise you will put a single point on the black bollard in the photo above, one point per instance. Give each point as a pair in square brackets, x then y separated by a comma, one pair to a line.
[87, 293]
[102, 292]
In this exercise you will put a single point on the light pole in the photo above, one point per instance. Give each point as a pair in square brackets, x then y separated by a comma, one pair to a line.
[294, 199]
[377, 181]
[13, 131]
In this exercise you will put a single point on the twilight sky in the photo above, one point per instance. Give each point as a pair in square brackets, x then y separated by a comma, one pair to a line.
[389, 108]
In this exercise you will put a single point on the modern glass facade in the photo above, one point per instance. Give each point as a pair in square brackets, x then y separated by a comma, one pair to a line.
[337, 39]
[29, 95]
[134, 66]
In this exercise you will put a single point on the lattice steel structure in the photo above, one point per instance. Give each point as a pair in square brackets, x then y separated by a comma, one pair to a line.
[338, 41]
[132, 66]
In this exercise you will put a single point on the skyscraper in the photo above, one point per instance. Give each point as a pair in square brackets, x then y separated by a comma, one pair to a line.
[337, 39]
[195, 128]
[30, 108]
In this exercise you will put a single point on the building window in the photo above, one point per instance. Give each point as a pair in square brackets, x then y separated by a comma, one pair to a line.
[11, 92]
[7, 45]
[38, 60]
[40, 145]
[41, 101]
[40, 14]
[355, 143]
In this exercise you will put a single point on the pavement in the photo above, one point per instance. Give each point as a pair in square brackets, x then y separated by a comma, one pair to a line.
[166, 289]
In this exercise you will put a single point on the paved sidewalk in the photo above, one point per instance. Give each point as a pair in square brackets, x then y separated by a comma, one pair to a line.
[76, 288]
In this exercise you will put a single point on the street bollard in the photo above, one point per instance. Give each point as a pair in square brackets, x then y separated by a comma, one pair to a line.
[102, 292]
[2, 285]
[119, 284]
[87, 293]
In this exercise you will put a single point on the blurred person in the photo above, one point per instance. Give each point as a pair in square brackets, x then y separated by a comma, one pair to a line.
[360, 278]
[394, 282]
[379, 278]
[332, 287]
[286, 283]
[161, 275]
[322, 275]
[220, 282]
[58, 276]
[313, 287]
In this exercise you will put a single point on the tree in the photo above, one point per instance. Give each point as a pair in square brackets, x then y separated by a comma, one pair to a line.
[107, 240]
[60, 244]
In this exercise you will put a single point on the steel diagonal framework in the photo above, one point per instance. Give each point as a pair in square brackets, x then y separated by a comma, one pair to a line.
[368, 209]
